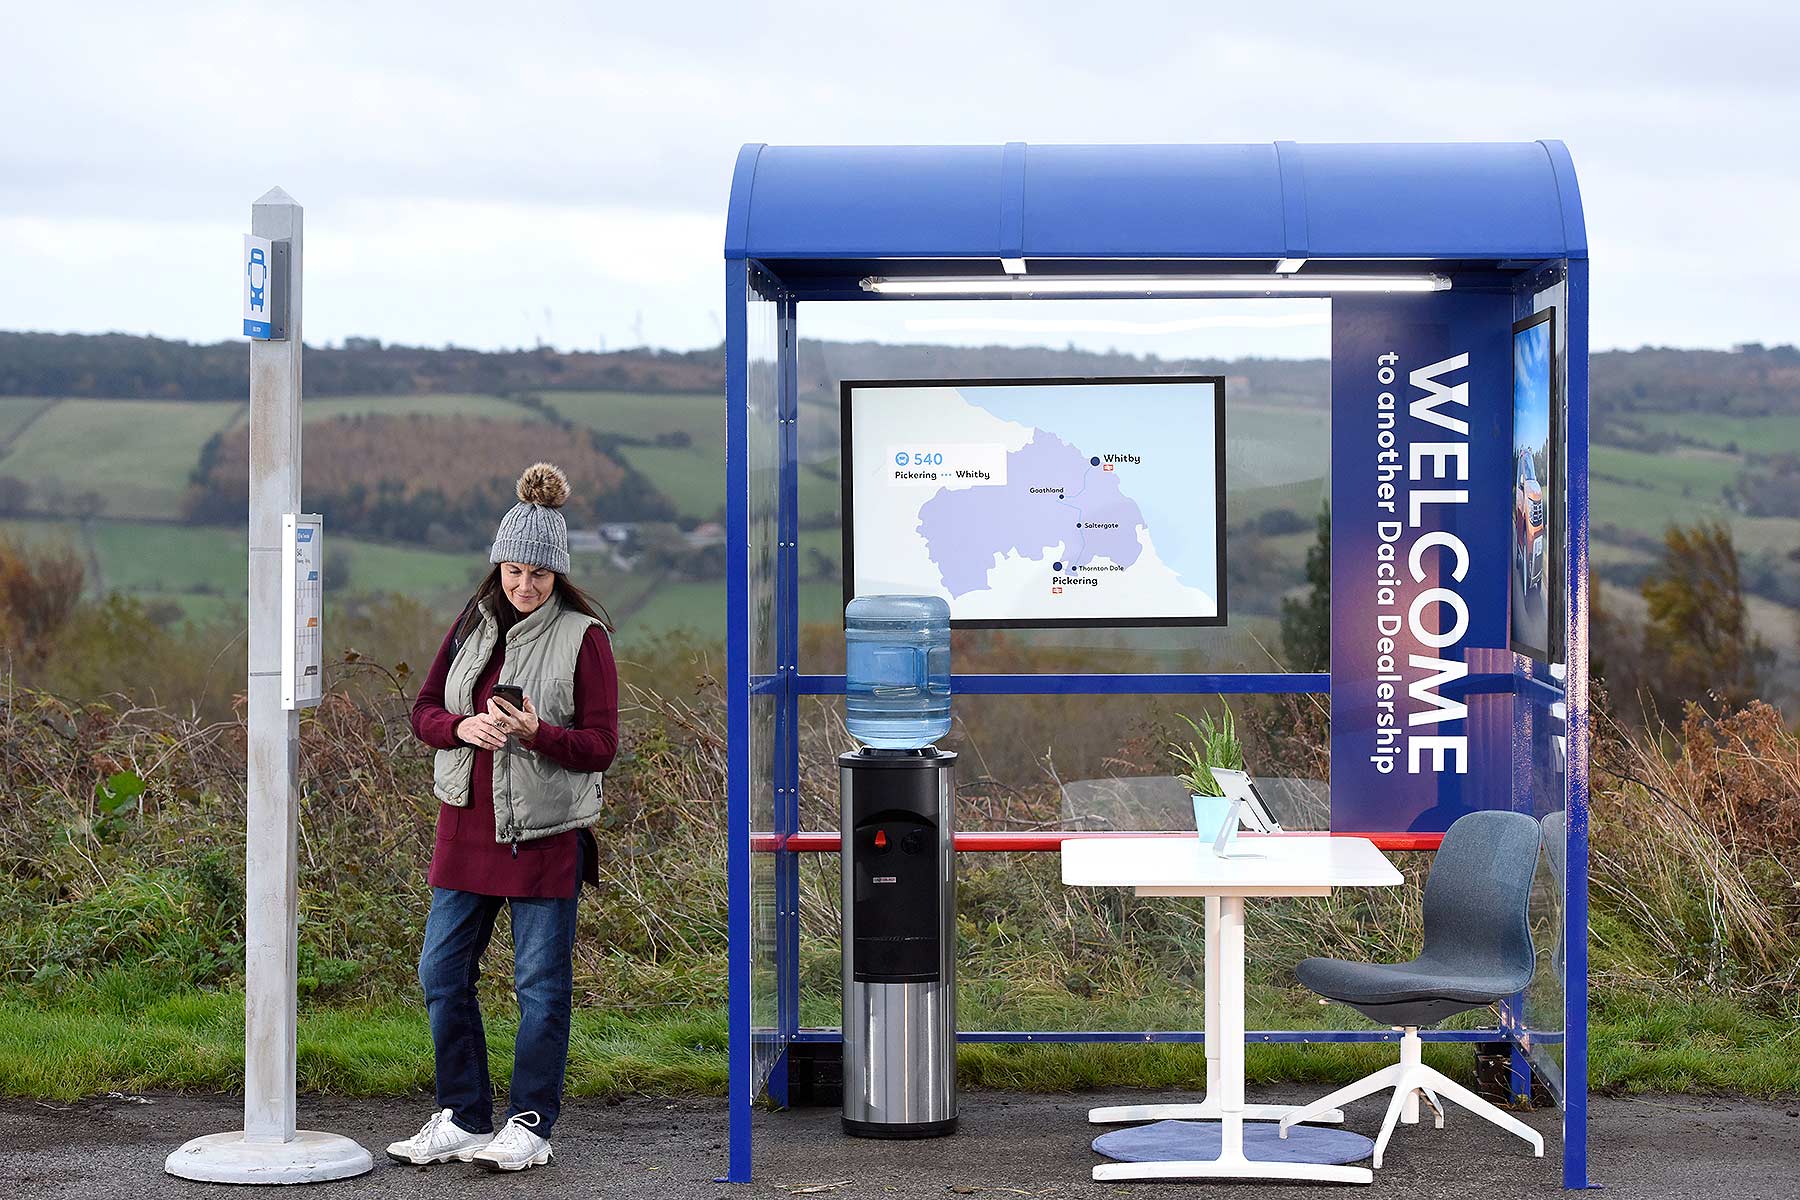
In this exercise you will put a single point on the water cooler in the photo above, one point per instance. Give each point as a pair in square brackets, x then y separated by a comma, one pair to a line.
[899, 878]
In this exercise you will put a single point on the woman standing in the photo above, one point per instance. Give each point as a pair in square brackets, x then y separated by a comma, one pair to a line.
[520, 784]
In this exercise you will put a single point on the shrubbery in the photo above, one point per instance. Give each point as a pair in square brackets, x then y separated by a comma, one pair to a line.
[1693, 870]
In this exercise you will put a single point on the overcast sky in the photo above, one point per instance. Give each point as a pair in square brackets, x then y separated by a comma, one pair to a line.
[494, 175]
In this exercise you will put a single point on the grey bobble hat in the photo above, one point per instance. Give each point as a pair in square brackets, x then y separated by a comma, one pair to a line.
[533, 531]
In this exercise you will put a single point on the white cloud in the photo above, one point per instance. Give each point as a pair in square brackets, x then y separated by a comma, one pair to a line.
[575, 157]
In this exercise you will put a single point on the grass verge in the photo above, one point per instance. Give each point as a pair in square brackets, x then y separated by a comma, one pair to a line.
[120, 1033]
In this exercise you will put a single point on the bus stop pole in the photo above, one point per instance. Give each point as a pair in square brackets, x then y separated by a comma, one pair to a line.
[271, 1148]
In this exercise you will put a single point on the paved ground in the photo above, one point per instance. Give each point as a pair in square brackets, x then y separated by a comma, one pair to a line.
[1011, 1144]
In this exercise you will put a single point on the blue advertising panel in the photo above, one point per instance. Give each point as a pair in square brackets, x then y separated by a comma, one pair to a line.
[1535, 579]
[1421, 424]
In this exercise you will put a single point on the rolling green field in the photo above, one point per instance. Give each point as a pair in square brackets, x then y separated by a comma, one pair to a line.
[1642, 494]
[136, 454]
[16, 412]
[1267, 446]
[645, 415]
[1764, 435]
[440, 404]
[692, 476]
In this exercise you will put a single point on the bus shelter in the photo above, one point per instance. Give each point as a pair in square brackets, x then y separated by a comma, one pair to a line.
[1453, 272]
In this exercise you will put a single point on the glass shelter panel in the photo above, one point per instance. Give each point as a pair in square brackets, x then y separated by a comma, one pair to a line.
[1274, 357]
[762, 448]
[1540, 775]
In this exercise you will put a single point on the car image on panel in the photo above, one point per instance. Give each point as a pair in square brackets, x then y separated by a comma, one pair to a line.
[1534, 583]
[1529, 528]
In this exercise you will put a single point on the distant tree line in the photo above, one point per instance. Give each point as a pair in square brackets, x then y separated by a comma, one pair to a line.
[1752, 380]
[119, 366]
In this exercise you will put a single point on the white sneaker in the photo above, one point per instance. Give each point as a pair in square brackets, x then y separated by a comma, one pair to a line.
[439, 1141]
[515, 1147]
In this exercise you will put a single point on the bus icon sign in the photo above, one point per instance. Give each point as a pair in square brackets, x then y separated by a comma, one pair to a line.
[264, 277]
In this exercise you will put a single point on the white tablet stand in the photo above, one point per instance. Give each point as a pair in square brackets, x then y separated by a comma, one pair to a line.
[1247, 806]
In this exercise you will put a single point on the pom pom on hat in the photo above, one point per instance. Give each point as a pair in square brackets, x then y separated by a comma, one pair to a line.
[534, 531]
[544, 485]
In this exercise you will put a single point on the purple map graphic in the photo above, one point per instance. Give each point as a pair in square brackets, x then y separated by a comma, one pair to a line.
[1054, 495]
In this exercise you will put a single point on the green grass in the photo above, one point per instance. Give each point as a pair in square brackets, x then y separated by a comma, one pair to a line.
[434, 404]
[1645, 494]
[1777, 535]
[150, 560]
[1648, 492]
[203, 571]
[699, 608]
[690, 477]
[1703, 474]
[1304, 496]
[136, 454]
[123, 1031]
[1776, 434]
[437, 404]
[693, 475]
[1271, 445]
[1691, 1043]
[17, 411]
[818, 490]
[635, 414]
[138, 557]
[42, 531]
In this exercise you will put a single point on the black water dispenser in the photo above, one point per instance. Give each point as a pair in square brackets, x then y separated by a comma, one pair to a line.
[899, 936]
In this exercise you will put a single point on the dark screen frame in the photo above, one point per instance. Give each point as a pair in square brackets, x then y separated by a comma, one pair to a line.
[1554, 572]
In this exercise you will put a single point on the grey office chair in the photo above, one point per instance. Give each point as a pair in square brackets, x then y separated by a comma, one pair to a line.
[1477, 951]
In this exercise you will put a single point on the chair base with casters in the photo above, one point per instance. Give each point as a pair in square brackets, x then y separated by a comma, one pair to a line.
[1411, 1078]
[1477, 951]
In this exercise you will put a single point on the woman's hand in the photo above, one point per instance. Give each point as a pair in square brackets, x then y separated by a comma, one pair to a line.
[481, 731]
[520, 721]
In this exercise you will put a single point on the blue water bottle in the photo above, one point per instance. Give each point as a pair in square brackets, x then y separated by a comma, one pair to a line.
[897, 670]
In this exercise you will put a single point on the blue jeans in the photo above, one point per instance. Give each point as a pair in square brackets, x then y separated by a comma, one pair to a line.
[456, 933]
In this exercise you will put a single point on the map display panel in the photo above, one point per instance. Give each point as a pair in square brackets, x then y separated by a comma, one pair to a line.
[1039, 503]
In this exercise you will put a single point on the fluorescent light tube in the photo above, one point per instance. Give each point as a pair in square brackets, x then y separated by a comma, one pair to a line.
[1150, 285]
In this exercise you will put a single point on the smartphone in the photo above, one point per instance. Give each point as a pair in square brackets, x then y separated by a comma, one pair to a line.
[512, 693]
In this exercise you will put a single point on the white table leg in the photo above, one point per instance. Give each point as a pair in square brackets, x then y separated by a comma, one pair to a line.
[1231, 1027]
[1212, 997]
[1207, 1109]
[1231, 1163]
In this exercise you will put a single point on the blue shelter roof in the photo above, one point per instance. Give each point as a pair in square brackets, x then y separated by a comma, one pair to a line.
[1492, 202]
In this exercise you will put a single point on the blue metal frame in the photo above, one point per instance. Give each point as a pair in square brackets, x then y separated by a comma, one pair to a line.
[1575, 871]
[1322, 1036]
[741, 1050]
[817, 219]
[787, 723]
[1104, 685]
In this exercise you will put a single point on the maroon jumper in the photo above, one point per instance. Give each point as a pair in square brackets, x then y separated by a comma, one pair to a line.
[468, 857]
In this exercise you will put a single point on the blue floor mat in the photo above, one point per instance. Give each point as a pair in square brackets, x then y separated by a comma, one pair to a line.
[1178, 1141]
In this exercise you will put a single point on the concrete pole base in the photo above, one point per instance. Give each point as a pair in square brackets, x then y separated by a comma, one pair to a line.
[310, 1158]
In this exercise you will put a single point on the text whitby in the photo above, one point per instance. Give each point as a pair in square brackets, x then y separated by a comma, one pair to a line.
[1414, 487]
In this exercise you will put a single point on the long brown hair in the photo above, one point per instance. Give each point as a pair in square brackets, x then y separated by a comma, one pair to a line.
[507, 616]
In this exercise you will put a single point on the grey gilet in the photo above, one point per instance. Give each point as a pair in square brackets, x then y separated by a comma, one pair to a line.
[533, 796]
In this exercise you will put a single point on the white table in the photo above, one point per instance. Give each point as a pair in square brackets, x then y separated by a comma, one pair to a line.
[1298, 864]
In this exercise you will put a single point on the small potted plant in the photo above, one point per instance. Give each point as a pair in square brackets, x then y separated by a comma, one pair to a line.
[1215, 744]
